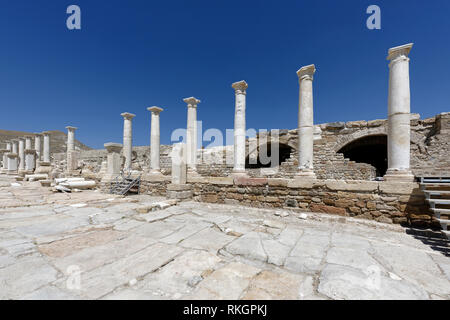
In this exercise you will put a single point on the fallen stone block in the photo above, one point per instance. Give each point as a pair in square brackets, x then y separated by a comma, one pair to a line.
[46, 183]
[36, 177]
[89, 184]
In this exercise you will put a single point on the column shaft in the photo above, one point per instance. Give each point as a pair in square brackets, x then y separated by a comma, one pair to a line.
[127, 139]
[46, 147]
[21, 154]
[191, 134]
[239, 127]
[399, 115]
[154, 140]
[306, 122]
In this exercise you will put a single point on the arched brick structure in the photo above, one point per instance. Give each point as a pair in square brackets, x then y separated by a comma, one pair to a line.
[343, 140]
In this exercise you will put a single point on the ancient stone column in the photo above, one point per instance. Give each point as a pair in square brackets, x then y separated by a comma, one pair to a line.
[28, 142]
[399, 115]
[239, 127]
[178, 189]
[30, 160]
[191, 134]
[127, 139]
[179, 163]
[46, 146]
[15, 148]
[12, 163]
[70, 138]
[71, 159]
[154, 140]
[305, 122]
[37, 147]
[21, 154]
[5, 157]
[113, 160]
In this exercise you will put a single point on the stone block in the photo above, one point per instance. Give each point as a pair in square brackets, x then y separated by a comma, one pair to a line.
[352, 185]
[390, 187]
[244, 181]
[278, 182]
[328, 209]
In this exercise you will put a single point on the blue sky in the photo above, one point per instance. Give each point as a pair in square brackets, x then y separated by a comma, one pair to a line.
[130, 55]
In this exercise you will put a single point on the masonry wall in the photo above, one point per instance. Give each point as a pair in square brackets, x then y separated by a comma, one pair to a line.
[388, 202]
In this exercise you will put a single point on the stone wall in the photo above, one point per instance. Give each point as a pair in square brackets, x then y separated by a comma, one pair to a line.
[389, 202]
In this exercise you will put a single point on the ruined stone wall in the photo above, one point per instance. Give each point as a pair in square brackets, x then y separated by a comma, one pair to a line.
[388, 202]
[430, 151]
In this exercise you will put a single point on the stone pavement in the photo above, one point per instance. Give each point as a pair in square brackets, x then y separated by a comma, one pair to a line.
[89, 245]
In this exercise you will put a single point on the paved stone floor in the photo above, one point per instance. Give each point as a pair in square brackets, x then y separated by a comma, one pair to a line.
[88, 245]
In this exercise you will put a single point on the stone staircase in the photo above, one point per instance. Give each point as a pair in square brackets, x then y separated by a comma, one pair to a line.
[437, 194]
[123, 184]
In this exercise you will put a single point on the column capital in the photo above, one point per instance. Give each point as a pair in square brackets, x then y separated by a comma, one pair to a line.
[191, 101]
[46, 133]
[240, 86]
[306, 72]
[155, 109]
[70, 128]
[28, 136]
[113, 147]
[128, 115]
[400, 51]
[37, 134]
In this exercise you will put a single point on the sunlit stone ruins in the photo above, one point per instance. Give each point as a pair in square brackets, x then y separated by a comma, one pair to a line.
[354, 210]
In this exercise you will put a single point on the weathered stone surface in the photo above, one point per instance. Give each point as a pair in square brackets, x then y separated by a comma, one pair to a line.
[211, 251]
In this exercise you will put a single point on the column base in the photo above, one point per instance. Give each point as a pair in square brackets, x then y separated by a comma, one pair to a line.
[179, 191]
[398, 175]
[44, 167]
[22, 172]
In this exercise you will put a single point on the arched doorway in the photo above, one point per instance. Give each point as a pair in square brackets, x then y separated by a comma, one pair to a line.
[369, 149]
[284, 153]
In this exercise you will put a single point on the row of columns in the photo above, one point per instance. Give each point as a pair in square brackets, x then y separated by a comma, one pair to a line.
[20, 157]
[398, 124]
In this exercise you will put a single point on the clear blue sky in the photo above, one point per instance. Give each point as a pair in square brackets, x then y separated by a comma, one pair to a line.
[130, 55]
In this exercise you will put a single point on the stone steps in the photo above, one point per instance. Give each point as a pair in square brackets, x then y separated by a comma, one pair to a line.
[437, 194]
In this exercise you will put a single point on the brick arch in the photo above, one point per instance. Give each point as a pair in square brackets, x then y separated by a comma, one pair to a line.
[366, 132]
[285, 145]
[283, 140]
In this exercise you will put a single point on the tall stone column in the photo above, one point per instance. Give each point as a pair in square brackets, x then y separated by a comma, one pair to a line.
[239, 127]
[28, 142]
[46, 146]
[30, 160]
[399, 115]
[21, 154]
[15, 148]
[191, 134]
[37, 147]
[127, 139]
[71, 159]
[12, 163]
[154, 140]
[113, 160]
[5, 157]
[70, 138]
[306, 122]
